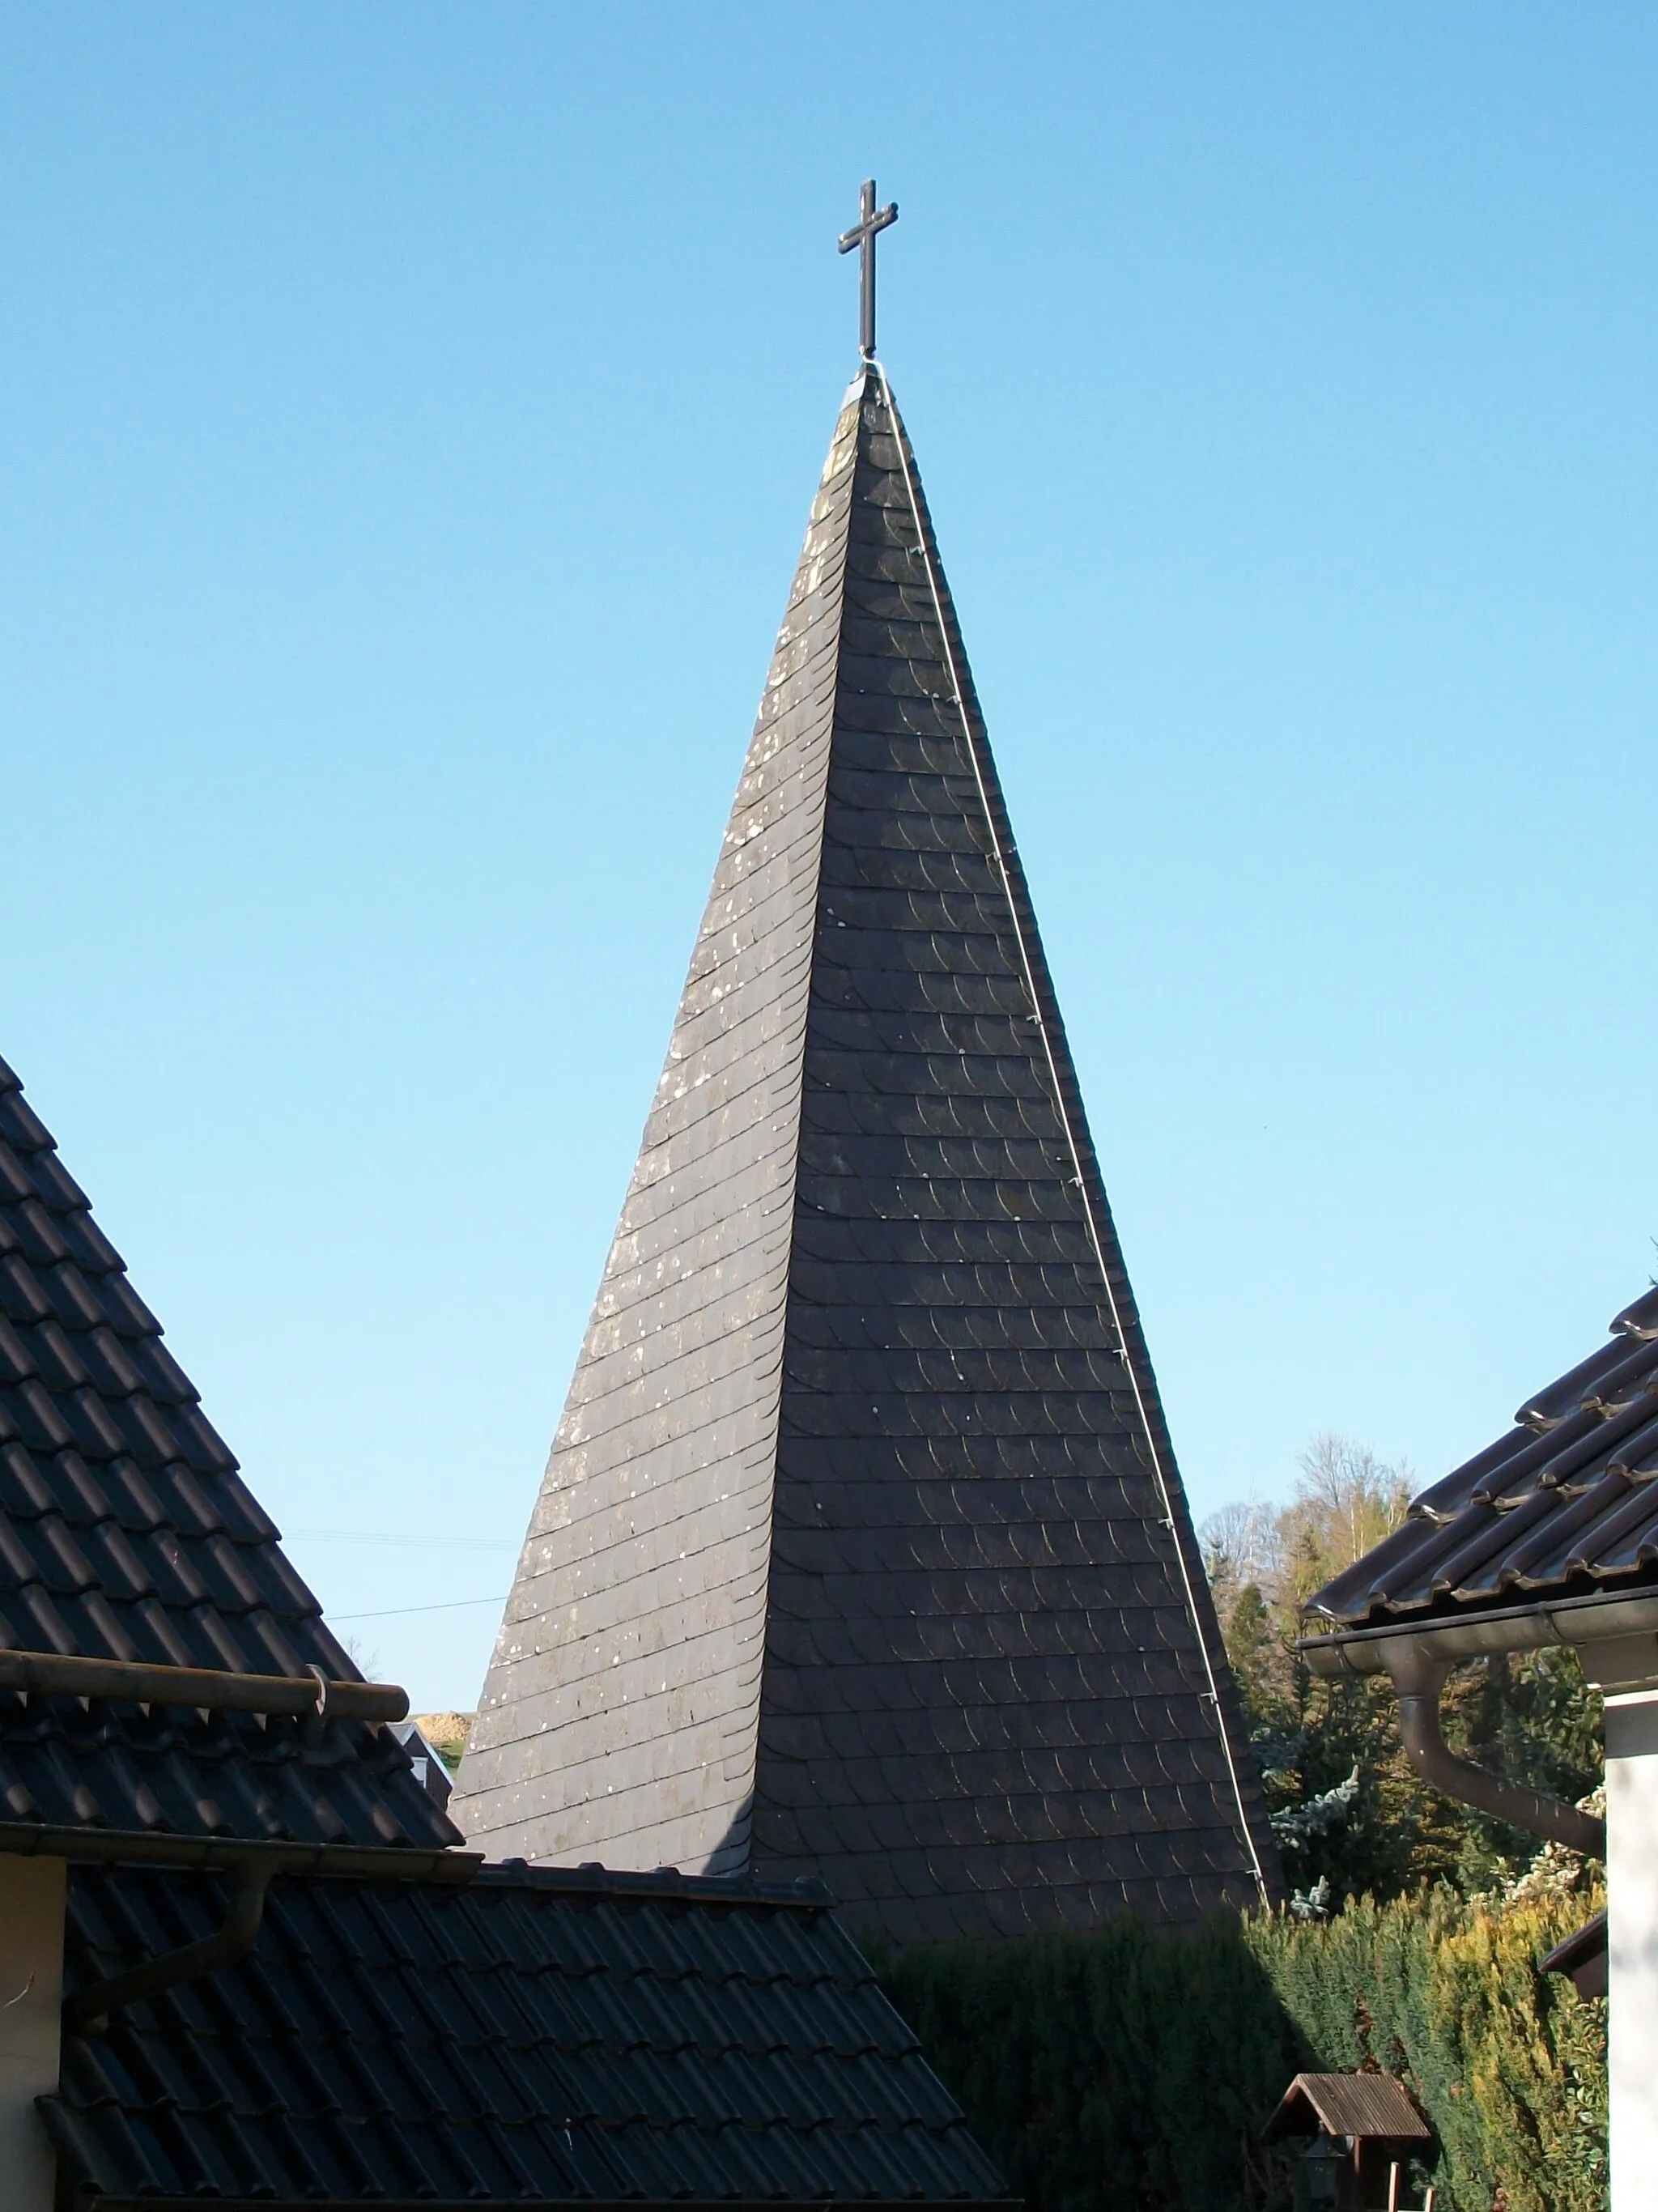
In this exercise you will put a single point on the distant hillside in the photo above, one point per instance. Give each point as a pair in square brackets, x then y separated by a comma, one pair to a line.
[446, 1732]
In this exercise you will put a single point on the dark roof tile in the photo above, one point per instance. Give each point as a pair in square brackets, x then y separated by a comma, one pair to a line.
[126, 1532]
[1563, 1505]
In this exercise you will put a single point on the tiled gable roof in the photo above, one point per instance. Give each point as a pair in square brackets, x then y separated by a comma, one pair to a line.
[541, 2037]
[1565, 1504]
[126, 1532]
[862, 1547]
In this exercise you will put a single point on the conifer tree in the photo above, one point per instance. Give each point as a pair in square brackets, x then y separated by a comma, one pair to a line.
[1349, 1814]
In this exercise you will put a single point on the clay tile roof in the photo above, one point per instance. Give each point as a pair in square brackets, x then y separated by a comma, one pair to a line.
[534, 2037]
[1565, 1503]
[1374, 2106]
[127, 1533]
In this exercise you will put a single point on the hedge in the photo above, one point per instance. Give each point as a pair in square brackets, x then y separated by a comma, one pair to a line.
[1134, 2067]
[1131, 2068]
[1509, 2064]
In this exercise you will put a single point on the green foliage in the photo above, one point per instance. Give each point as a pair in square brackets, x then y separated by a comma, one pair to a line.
[1530, 1716]
[1509, 2064]
[446, 1733]
[1131, 2067]
[1137, 2065]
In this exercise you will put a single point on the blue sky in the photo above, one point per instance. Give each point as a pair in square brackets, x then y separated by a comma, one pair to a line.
[407, 419]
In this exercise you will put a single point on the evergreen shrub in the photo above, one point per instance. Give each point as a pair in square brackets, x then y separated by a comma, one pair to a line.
[1130, 2068]
[1135, 2067]
[1509, 2064]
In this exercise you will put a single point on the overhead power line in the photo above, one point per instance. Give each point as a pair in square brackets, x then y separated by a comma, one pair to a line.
[389, 1536]
[393, 1612]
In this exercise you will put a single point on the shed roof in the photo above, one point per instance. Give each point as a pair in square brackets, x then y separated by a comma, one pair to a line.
[1375, 2107]
[539, 2036]
[1582, 1957]
[1564, 1503]
[126, 1532]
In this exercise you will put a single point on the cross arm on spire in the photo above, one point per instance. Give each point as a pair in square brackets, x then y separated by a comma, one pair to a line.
[863, 234]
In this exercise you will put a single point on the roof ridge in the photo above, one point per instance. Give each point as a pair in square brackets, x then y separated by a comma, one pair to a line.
[805, 1894]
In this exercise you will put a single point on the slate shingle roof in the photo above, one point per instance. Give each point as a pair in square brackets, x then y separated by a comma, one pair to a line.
[541, 2037]
[1565, 1504]
[126, 1532]
[857, 1414]
[983, 1704]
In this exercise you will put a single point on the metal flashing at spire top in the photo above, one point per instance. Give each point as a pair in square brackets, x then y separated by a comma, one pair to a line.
[863, 234]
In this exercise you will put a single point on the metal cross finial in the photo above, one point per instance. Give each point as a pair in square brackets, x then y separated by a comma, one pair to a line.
[863, 234]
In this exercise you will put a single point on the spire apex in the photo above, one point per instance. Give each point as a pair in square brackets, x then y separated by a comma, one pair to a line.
[862, 1551]
[870, 223]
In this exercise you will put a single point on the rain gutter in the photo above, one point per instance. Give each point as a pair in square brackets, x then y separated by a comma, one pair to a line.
[99, 2202]
[226, 1854]
[1512, 1628]
[251, 1867]
[54, 1674]
[1617, 1637]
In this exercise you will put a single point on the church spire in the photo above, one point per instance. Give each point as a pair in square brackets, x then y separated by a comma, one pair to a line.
[862, 1551]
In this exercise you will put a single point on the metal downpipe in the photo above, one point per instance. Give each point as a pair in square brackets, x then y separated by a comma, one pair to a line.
[88, 2012]
[1420, 1678]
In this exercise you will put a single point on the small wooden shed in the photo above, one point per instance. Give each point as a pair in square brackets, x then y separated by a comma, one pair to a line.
[1365, 2129]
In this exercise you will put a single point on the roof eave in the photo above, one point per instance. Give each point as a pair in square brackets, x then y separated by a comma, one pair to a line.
[218, 1854]
[97, 2201]
[1595, 1625]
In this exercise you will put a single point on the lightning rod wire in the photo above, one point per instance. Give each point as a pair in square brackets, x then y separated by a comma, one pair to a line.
[1072, 1144]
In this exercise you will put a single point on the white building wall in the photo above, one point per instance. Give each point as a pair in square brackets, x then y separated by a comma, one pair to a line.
[31, 2000]
[1632, 1926]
